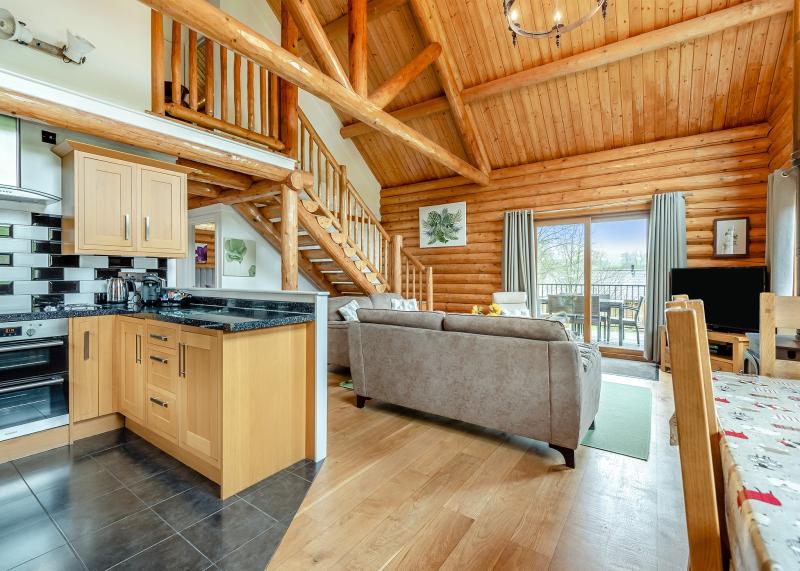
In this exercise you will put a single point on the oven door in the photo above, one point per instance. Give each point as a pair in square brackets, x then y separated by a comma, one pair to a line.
[33, 386]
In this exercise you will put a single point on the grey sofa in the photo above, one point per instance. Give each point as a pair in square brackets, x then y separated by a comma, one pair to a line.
[338, 347]
[518, 375]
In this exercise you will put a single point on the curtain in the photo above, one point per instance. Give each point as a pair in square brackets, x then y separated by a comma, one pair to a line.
[519, 255]
[781, 231]
[666, 249]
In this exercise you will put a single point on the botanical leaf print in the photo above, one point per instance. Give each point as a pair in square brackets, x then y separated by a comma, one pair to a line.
[442, 227]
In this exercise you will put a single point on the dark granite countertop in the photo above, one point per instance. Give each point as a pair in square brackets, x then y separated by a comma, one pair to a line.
[229, 315]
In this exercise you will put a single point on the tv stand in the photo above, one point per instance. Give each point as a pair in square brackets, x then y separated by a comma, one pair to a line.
[728, 356]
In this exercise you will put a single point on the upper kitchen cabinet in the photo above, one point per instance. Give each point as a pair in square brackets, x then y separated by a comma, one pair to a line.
[118, 203]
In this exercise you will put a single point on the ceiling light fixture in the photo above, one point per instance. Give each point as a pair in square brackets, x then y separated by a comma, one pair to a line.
[74, 51]
[512, 18]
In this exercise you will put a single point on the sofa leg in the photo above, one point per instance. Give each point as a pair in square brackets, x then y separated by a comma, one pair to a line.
[361, 401]
[567, 453]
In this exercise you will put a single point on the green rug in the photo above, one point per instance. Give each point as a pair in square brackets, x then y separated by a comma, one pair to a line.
[347, 385]
[622, 424]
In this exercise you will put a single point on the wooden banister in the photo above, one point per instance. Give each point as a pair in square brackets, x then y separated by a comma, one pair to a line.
[156, 62]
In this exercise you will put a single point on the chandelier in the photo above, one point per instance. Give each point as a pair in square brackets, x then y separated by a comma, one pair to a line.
[512, 17]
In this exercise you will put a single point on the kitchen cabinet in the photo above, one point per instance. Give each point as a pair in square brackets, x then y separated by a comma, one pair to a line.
[131, 367]
[91, 367]
[119, 203]
[200, 391]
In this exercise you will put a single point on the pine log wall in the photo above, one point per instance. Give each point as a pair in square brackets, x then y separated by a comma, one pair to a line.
[723, 174]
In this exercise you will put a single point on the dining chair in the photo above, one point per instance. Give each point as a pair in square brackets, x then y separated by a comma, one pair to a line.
[777, 312]
[634, 307]
[698, 434]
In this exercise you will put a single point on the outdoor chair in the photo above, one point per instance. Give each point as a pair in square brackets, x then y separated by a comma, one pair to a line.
[631, 317]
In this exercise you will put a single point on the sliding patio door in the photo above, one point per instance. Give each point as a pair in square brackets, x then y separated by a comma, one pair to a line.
[591, 276]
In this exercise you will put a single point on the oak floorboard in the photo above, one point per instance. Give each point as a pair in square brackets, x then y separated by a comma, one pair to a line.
[417, 491]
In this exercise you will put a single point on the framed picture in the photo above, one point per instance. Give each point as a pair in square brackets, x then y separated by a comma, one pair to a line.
[240, 258]
[200, 253]
[443, 226]
[731, 237]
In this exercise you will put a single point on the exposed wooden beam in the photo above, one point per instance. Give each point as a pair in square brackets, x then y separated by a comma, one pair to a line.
[357, 45]
[432, 31]
[392, 87]
[685, 31]
[307, 22]
[204, 189]
[220, 27]
[338, 28]
[218, 176]
[210, 122]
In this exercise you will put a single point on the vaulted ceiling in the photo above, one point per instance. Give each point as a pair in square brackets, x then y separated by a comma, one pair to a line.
[714, 82]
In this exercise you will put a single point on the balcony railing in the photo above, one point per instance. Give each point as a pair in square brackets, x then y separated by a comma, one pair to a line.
[630, 293]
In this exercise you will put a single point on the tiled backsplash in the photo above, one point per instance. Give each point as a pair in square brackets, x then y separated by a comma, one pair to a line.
[34, 273]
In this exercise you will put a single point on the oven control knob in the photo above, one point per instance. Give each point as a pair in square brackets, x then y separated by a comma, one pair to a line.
[30, 332]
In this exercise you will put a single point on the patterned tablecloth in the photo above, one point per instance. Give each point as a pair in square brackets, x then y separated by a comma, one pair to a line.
[760, 449]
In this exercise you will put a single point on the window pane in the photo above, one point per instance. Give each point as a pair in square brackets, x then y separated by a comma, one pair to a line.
[559, 269]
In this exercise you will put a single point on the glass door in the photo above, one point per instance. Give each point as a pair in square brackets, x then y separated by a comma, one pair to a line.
[561, 271]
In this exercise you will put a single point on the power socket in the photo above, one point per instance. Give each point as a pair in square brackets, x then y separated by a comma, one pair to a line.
[48, 137]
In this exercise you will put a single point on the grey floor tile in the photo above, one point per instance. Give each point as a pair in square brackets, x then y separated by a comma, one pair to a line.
[174, 553]
[256, 553]
[281, 496]
[222, 532]
[27, 542]
[48, 469]
[133, 462]
[24, 510]
[60, 559]
[12, 486]
[94, 513]
[308, 471]
[167, 484]
[104, 441]
[121, 540]
[77, 490]
[191, 506]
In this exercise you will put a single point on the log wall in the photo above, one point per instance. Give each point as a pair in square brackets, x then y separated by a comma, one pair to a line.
[723, 174]
[780, 114]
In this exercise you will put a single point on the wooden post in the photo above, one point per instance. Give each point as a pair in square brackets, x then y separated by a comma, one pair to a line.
[175, 62]
[223, 84]
[429, 287]
[274, 106]
[237, 89]
[156, 62]
[289, 252]
[209, 107]
[344, 202]
[262, 99]
[397, 263]
[193, 70]
[288, 91]
[357, 42]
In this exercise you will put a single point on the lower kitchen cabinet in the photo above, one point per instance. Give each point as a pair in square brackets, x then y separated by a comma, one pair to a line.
[91, 367]
[131, 372]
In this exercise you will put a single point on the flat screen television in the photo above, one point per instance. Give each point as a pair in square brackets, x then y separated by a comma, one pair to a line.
[731, 296]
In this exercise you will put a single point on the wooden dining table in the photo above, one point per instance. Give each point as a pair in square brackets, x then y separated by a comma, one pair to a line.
[759, 419]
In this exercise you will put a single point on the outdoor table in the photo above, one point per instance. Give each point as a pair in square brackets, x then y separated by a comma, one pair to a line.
[759, 419]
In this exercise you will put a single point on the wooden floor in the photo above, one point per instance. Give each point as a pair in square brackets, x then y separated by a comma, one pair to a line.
[404, 490]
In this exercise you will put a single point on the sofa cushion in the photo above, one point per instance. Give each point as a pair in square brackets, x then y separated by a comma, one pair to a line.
[419, 319]
[335, 303]
[348, 311]
[405, 305]
[519, 327]
[383, 300]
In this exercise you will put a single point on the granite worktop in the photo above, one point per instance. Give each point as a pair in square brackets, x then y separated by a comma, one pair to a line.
[228, 315]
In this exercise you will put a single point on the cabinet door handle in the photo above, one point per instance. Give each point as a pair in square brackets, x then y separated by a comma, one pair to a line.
[157, 359]
[127, 219]
[182, 360]
[159, 337]
[138, 348]
[85, 345]
[147, 228]
[159, 402]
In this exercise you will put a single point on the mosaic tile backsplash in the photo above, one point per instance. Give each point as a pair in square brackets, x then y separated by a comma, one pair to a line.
[34, 273]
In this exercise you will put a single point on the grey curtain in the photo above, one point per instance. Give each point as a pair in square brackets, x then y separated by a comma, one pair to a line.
[519, 253]
[666, 249]
[782, 231]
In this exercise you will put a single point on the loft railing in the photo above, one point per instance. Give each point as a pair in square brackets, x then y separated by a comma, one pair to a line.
[212, 86]
[356, 223]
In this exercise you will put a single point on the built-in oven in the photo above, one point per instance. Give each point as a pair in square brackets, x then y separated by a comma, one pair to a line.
[33, 376]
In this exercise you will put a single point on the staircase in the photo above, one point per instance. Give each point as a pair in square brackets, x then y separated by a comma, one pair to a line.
[343, 247]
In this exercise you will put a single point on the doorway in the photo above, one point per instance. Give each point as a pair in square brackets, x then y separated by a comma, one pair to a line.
[595, 267]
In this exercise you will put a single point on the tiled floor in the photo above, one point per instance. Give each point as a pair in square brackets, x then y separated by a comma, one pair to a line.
[114, 500]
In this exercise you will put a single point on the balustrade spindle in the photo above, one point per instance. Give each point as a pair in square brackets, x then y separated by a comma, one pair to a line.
[209, 50]
[193, 70]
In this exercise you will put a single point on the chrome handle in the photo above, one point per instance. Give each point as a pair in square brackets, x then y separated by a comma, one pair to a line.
[147, 228]
[182, 360]
[159, 337]
[42, 345]
[159, 402]
[47, 383]
[138, 348]
[85, 345]
[159, 359]
[127, 219]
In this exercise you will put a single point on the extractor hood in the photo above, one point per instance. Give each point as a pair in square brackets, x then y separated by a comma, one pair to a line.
[11, 189]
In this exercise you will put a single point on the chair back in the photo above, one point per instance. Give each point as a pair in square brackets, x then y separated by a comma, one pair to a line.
[511, 299]
[698, 434]
[579, 304]
[561, 304]
[777, 312]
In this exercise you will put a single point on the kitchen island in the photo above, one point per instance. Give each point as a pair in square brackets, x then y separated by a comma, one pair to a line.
[233, 387]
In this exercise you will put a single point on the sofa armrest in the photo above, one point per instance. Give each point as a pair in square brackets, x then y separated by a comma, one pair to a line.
[574, 391]
[357, 359]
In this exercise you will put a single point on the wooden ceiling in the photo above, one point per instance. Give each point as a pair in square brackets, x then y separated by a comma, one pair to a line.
[715, 82]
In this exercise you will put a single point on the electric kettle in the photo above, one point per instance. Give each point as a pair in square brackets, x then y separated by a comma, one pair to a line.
[116, 290]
